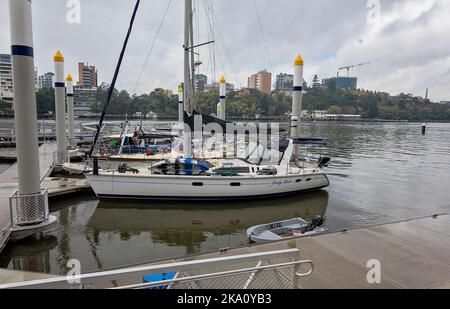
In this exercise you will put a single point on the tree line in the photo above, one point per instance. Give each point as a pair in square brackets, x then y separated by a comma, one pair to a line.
[248, 103]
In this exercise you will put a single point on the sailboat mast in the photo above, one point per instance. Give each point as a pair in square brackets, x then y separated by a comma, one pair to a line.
[187, 67]
[187, 143]
[191, 44]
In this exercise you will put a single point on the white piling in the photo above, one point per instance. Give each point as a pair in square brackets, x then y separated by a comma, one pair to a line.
[70, 112]
[223, 94]
[187, 140]
[180, 106]
[219, 110]
[297, 97]
[61, 136]
[25, 113]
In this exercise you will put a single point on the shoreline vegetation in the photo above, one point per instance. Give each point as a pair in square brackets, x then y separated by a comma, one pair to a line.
[245, 104]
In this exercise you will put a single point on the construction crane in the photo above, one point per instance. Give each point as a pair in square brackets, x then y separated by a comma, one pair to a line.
[352, 66]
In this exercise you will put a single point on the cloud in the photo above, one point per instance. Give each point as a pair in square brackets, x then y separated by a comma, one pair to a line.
[408, 49]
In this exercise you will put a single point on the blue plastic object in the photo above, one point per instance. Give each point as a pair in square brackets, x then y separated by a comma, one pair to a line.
[159, 277]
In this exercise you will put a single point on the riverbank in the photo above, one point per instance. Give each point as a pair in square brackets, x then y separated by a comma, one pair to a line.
[282, 119]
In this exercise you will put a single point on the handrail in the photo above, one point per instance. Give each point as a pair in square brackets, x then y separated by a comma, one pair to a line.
[61, 282]
[251, 270]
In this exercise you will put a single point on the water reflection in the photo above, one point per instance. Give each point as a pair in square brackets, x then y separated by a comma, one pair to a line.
[104, 235]
[190, 224]
[30, 254]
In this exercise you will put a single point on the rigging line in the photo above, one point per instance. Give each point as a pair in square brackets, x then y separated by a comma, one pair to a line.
[197, 24]
[219, 54]
[116, 74]
[142, 48]
[158, 31]
[263, 35]
[226, 50]
[213, 49]
[211, 37]
[227, 53]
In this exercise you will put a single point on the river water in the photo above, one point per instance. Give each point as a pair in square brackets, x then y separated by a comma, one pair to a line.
[380, 173]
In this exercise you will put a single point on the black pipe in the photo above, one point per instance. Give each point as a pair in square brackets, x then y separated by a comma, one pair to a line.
[95, 168]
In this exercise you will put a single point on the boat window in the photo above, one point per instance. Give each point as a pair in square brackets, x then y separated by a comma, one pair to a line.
[197, 184]
[298, 180]
[232, 170]
[309, 179]
[235, 184]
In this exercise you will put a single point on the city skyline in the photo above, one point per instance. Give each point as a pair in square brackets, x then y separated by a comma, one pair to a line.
[344, 36]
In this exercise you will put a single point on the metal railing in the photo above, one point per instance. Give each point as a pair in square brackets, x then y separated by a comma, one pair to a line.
[265, 270]
[29, 209]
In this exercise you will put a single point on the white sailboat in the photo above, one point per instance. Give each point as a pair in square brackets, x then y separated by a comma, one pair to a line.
[258, 172]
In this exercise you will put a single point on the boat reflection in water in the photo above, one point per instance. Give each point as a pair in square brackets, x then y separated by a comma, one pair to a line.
[110, 234]
[176, 225]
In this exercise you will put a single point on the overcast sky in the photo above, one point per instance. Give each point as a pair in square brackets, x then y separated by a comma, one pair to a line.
[407, 44]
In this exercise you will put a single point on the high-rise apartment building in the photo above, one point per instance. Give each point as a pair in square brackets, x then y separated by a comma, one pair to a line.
[36, 78]
[341, 83]
[87, 75]
[261, 81]
[6, 80]
[284, 81]
[46, 80]
[84, 98]
[200, 81]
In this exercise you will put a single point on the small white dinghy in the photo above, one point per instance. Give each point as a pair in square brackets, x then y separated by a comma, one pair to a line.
[76, 169]
[285, 230]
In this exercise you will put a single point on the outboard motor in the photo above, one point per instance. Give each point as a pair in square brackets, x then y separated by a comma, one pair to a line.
[122, 168]
[323, 162]
[316, 222]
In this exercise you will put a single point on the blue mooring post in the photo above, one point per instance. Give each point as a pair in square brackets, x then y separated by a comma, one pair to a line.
[424, 129]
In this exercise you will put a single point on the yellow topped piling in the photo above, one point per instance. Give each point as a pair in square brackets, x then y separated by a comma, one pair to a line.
[299, 60]
[58, 57]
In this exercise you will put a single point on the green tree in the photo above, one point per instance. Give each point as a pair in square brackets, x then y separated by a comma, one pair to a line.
[45, 99]
[5, 106]
[335, 110]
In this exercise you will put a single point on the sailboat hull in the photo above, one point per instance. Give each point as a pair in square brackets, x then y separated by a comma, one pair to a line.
[121, 186]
